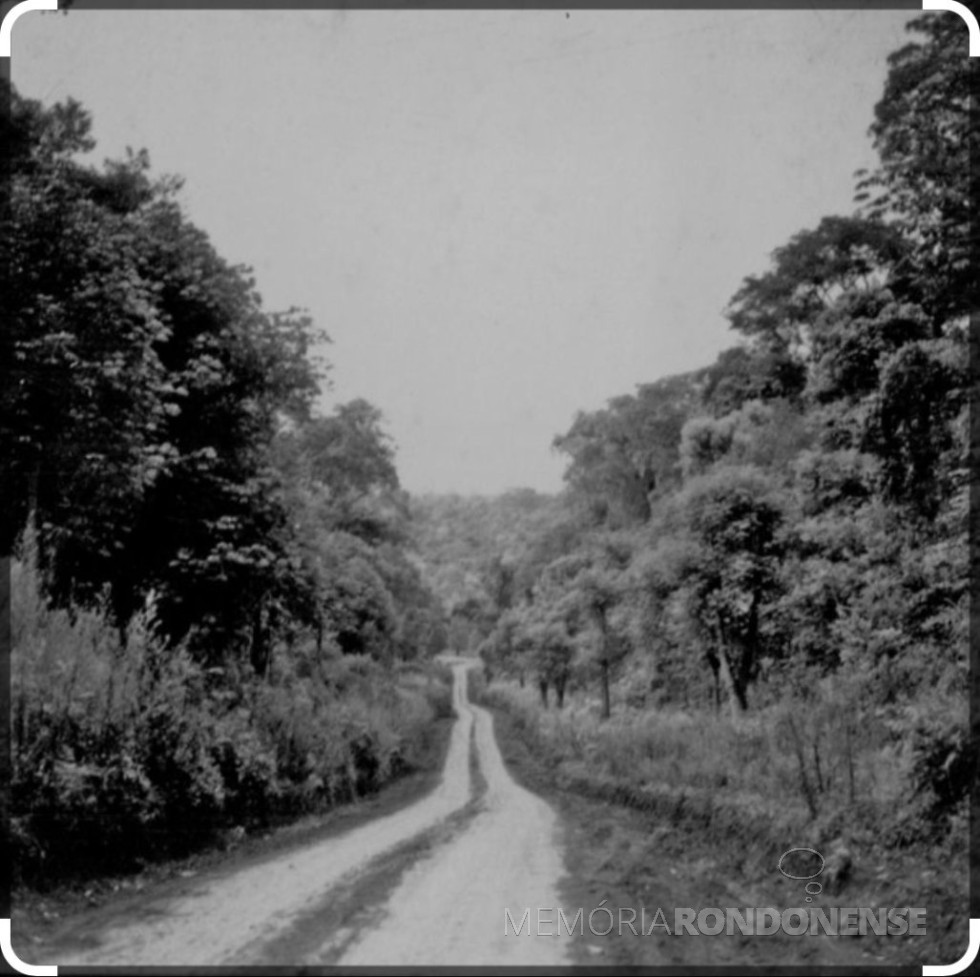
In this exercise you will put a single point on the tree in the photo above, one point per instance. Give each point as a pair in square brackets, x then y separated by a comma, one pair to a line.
[853, 340]
[358, 607]
[500, 651]
[764, 433]
[810, 273]
[552, 650]
[350, 522]
[706, 441]
[621, 455]
[83, 387]
[751, 372]
[351, 451]
[142, 384]
[910, 430]
[734, 515]
[586, 588]
[661, 622]
[234, 371]
[420, 620]
[926, 133]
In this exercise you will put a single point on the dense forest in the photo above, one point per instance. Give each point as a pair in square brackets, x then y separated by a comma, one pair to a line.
[752, 595]
[755, 586]
[216, 617]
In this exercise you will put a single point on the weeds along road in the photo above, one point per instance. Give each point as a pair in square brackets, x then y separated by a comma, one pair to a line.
[426, 885]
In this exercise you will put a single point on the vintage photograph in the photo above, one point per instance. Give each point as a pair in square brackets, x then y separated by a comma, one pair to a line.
[487, 487]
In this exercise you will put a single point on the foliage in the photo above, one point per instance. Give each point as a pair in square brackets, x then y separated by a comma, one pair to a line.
[142, 382]
[925, 130]
[230, 577]
[623, 454]
[751, 372]
[786, 529]
[125, 752]
[212, 570]
[480, 556]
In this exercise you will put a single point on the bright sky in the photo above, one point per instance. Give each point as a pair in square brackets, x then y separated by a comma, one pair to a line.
[500, 217]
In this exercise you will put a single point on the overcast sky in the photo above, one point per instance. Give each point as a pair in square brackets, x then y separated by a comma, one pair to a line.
[500, 217]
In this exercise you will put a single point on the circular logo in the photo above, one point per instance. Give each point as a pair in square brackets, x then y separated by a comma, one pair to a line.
[801, 878]
[811, 888]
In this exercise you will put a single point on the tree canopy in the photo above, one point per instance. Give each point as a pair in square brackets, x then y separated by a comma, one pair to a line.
[160, 428]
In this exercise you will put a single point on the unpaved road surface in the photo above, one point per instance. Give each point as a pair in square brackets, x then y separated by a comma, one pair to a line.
[449, 908]
[432, 882]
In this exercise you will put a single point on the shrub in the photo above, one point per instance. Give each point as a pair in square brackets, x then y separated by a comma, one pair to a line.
[125, 749]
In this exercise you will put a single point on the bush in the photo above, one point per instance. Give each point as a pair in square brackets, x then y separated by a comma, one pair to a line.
[943, 765]
[125, 749]
[813, 766]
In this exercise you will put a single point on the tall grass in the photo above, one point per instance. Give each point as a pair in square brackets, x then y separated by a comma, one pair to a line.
[881, 792]
[125, 750]
[819, 768]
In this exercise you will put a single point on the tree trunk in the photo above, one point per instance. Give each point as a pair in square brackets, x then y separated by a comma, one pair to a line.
[543, 689]
[604, 672]
[734, 679]
[716, 683]
[560, 691]
[748, 648]
[805, 786]
[736, 694]
[259, 652]
[604, 662]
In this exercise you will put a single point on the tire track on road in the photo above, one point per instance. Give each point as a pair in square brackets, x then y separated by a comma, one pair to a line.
[449, 908]
[233, 916]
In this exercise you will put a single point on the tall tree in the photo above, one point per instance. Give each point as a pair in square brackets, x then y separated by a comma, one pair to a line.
[777, 310]
[619, 456]
[926, 132]
[734, 515]
[142, 383]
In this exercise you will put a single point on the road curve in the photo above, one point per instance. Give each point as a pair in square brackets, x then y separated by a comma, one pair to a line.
[448, 908]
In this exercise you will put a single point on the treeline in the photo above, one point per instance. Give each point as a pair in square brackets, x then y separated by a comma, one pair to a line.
[470, 549]
[196, 546]
[781, 536]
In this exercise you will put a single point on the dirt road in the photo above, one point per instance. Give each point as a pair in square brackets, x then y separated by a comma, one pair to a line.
[429, 884]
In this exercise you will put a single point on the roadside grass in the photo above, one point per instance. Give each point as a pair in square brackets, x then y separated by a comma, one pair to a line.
[67, 907]
[733, 797]
[126, 752]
